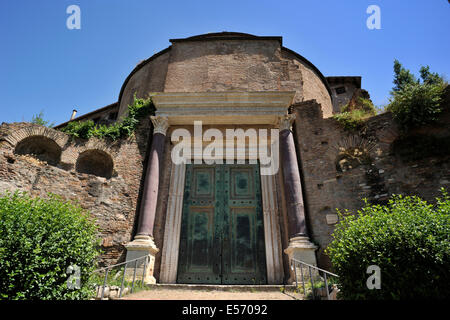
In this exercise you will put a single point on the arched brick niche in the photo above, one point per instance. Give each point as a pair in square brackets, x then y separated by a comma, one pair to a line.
[41, 148]
[96, 162]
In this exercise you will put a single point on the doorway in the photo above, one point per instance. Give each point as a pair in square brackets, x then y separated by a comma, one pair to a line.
[222, 231]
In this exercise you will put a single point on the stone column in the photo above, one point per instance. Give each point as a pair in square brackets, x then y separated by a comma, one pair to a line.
[300, 247]
[143, 243]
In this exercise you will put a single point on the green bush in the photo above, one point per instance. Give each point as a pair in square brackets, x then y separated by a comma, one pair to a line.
[353, 118]
[39, 239]
[413, 102]
[407, 238]
[39, 119]
[417, 105]
[80, 129]
[125, 128]
[363, 104]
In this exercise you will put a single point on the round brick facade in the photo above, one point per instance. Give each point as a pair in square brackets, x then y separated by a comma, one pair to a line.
[227, 62]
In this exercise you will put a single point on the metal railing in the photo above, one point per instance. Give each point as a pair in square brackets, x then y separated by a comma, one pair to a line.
[125, 272]
[316, 277]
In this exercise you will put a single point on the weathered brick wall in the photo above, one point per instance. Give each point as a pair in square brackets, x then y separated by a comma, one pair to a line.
[227, 65]
[149, 78]
[339, 100]
[112, 202]
[389, 171]
[231, 65]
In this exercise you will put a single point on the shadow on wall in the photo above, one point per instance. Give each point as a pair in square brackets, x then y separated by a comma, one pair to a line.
[92, 161]
[41, 148]
[95, 162]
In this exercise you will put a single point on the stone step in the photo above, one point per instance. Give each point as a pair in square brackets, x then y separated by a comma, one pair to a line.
[230, 288]
[183, 294]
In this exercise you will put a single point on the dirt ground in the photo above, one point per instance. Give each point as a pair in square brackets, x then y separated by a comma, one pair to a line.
[172, 294]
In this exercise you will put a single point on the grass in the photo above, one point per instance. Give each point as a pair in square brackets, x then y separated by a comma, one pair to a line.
[115, 277]
[354, 118]
[318, 283]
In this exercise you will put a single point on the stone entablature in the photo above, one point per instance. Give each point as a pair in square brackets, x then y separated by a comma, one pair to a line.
[221, 108]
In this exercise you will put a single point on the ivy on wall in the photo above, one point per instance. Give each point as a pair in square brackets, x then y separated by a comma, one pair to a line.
[139, 109]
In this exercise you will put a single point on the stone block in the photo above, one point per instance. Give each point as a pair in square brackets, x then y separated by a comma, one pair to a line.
[332, 218]
[140, 247]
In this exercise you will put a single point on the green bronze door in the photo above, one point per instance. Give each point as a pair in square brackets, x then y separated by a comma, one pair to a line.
[243, 252]
[222, 232]
[200, 248]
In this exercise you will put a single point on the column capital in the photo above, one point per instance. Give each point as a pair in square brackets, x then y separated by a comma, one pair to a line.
[285, 122]
[160, 124]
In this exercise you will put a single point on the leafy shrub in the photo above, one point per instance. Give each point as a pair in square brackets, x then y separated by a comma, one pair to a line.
[80, 129]
[407, 239]
[87, 129]
[415, 103]
[353, 118]
[351, 121]
[362, 104]
[39, 240]
[39, 119]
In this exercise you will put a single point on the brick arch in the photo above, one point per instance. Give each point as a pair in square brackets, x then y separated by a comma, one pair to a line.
[39, 147]
[35, 130]
[71, 154]
[96, 162]
[99, 144]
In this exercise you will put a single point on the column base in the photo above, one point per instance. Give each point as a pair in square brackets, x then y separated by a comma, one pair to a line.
[301, 249]
[140, 247]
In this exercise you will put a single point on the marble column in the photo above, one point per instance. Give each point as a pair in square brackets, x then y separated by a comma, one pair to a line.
[143, 243]
[300, 246]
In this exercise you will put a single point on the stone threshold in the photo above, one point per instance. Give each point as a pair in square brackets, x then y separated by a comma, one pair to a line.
[230, 288]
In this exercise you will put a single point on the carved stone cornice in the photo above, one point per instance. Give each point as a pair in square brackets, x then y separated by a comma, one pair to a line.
[286, 122]
[160, 124]
[223, 108]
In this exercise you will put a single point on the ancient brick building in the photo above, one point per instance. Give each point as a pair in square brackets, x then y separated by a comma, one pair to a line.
[233, 222]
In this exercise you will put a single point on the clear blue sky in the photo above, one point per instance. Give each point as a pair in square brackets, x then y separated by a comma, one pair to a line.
[45, 66]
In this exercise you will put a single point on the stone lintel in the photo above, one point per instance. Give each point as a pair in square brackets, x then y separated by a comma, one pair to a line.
[227, 107]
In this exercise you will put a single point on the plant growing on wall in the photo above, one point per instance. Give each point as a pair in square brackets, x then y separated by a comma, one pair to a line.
[407, 239]
[353, 117]
[39, 119]
[415, 102]
[39, 240]
[120, 129]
